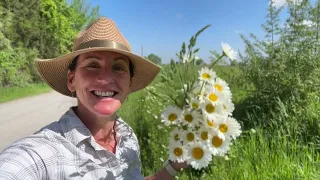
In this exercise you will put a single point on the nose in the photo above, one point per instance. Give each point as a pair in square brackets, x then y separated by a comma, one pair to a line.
[106, 76]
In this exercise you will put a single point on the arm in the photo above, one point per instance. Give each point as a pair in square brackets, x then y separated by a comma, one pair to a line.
[164, 174]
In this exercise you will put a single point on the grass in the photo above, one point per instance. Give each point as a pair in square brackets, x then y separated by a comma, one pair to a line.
[12, 93]
[255, 156]
[265, 154]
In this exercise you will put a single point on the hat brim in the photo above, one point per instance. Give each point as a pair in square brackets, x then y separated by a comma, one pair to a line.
[54, 71]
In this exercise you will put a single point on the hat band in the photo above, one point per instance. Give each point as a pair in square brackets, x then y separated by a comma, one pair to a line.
[101, 43]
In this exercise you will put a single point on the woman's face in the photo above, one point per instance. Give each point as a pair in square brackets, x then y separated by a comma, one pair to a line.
[101, 81]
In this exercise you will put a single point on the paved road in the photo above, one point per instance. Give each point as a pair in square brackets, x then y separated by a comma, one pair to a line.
[22, 117]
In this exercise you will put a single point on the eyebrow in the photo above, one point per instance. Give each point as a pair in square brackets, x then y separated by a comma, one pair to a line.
[122, 58]
[99, 59]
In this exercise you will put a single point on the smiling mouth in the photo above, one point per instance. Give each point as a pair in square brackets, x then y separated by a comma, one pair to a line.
[104, 94]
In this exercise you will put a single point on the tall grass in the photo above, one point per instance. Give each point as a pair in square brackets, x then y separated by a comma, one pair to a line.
[268, 153]
[12, 93]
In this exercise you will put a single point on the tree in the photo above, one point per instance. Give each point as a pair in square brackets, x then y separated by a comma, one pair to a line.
[199, 61]
[154, 58]
[37, 28]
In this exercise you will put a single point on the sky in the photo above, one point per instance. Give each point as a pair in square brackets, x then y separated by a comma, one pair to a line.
[161, 26]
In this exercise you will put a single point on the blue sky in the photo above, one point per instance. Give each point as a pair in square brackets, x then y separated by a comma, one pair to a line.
[161, 26]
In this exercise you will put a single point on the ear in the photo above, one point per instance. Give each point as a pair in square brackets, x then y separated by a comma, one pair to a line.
[70, 80]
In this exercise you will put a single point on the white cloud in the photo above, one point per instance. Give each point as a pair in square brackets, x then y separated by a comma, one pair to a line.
[303, 23]
[279, 3]
[308, 23]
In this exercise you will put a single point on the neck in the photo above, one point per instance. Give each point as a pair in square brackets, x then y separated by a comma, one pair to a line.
[102, 128]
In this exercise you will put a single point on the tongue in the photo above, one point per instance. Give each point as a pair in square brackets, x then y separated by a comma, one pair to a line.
[107, 106]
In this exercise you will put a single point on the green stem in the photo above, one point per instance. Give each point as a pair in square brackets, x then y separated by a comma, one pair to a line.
[202, 86]
[223, 54]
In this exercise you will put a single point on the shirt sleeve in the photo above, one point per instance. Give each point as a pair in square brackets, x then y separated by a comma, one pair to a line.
[18, 162]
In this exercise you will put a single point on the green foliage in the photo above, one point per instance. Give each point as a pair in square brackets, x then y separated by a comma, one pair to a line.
[154, 58]
[285, 65]
[17, 68]
[42, 29]
[141, 112]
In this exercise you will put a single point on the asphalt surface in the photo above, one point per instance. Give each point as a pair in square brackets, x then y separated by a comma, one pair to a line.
[20, 118]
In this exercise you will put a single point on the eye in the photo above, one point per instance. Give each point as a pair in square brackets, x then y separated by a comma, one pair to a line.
[119, 68]
[93, 66]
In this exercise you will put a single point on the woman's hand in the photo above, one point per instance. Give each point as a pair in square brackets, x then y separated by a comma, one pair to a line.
[164, 174]
[179, 166]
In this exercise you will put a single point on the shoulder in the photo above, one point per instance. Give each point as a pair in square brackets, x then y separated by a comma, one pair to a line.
[124, 129]
[29, 156]
[127, 135]
[26, 157]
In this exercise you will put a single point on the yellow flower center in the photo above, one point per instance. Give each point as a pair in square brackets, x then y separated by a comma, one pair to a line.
[223, 128]
[188, 118]
[197, 153]
[206, 76]
[204, 135]
[210, 108]
[176, 137]
[177, 151]
[216, 141]
[190, 136]
[217, 86]
[210, 123]
[194, 105]
[172, 117]
[213, 97]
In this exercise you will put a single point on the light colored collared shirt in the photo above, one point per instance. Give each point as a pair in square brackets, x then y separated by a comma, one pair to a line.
[66, 149]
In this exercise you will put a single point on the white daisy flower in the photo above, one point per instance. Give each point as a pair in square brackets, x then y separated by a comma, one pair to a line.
[176, 136]
[209, 123]
[229, 127]
[214, 96]
[217, 145]
[190, 118]
[210, 110]
[207, 75]
[228, 107]
[194, 103]
[199, 155]
[228, 51]
[222, 87]
[189, 136]
[171, 115]
[204, 134]
[178, 153]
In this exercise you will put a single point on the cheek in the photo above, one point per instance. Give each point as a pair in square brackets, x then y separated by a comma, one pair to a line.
[125, 82]
[83, 78]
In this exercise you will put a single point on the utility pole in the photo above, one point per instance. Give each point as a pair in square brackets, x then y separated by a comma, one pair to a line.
[142, 50]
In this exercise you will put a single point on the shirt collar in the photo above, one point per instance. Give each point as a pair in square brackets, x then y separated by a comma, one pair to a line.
[75, 131]
[73, 128]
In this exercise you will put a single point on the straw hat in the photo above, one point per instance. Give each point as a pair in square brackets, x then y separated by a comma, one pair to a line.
[102, 35]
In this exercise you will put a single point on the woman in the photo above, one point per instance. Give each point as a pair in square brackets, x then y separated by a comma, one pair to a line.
[89, 141]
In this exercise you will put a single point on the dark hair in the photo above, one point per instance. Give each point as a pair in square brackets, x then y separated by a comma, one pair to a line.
[73, 64]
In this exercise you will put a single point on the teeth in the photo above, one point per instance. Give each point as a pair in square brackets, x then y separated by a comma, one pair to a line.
[104, 94]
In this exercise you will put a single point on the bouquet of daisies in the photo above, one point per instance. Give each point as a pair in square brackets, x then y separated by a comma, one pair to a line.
[204, 128]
